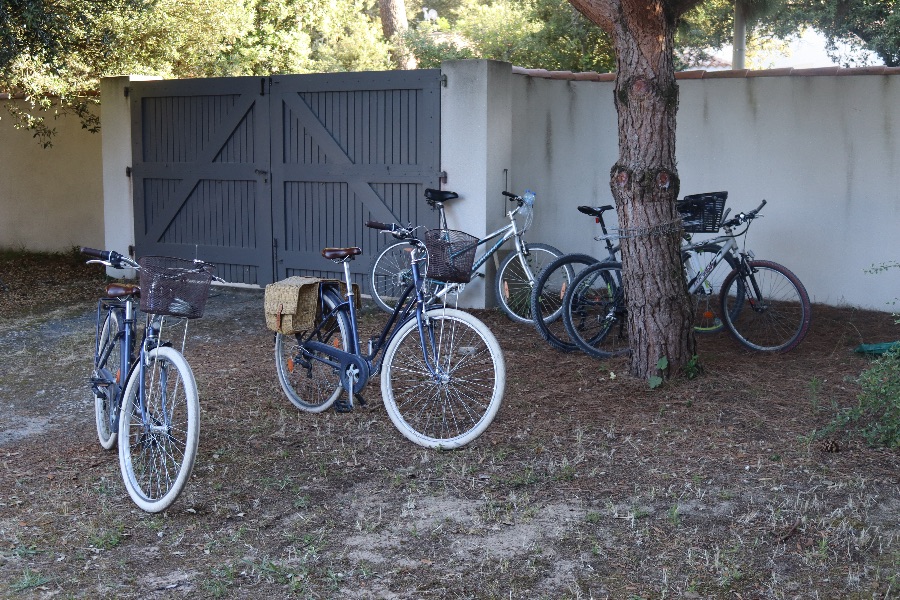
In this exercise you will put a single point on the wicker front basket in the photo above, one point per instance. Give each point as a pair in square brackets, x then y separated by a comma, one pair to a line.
[174, 286]
[450, 255]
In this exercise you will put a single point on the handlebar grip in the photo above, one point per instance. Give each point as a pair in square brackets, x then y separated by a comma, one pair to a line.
[381, 226]
[101, 254]
[509, 194]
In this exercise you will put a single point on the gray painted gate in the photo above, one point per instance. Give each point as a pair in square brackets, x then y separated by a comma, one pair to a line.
[257, 175]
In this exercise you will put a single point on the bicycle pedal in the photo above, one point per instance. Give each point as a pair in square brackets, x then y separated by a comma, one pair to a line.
[343, 405]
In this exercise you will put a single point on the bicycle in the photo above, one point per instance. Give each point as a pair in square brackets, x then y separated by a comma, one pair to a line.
[552, 283]
[761, 303]
[442, 370]
[390, 273]
[146, 400]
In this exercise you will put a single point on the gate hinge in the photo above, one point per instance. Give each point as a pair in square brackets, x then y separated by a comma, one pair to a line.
[127, 171]
[442, 176]
[443, 80]
[127, 90]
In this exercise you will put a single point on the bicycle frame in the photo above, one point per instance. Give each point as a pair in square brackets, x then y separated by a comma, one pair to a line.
[729, 246]
[507, 232]
[411, 304]
[128, 359]
[123, 309]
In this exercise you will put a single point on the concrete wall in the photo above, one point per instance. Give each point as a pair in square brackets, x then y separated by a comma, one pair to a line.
[823, 149]
[51, 199]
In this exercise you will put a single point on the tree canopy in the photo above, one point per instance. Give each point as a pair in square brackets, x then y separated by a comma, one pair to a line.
[851, 27]
[55, 51]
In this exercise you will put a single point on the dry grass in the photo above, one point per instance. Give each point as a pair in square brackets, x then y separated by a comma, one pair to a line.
[585, 486]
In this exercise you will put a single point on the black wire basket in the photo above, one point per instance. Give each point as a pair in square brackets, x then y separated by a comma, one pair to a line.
[702, 213]
[450, 255]
[174, 286]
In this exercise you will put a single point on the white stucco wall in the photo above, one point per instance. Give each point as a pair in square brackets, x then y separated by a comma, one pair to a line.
[823, 150]
[476, 152]
[51, 199]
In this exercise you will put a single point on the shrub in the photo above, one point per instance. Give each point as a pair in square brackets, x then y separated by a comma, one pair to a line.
[878, 411]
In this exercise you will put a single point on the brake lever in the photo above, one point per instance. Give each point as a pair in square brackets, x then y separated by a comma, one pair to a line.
[97, 261]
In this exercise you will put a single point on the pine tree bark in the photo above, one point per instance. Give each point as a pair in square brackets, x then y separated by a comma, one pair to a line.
[644, 181]
[394, 24]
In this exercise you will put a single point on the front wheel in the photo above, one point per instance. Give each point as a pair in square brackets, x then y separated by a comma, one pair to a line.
[310, 384]
[547, 298]
[594, 311]
[453, 402]
[516, 278]
[776, 311]
[158, 445]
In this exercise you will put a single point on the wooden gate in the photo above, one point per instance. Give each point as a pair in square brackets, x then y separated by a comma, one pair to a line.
[257, 175]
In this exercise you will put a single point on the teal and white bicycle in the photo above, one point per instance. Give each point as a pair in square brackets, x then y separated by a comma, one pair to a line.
[391, 271]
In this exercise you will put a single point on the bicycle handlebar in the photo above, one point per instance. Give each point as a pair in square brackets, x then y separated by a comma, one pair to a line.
[397, 231]
[744, 217]
[110, 257]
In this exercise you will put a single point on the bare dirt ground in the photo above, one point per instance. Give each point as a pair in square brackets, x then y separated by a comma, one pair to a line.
[585, 486]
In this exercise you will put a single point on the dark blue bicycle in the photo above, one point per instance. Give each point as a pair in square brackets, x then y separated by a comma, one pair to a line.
[145, 395]
[442, 370]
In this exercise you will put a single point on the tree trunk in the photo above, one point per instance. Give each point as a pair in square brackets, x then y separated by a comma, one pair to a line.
[739, 54]
[394, 24]
[645, 184]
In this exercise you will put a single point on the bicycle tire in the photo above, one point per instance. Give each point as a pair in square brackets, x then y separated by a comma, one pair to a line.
[776, 312]
[514, 286]
[390, 275]
[454, 410]
[157, 459]
[706, 301]
[547, 299]
[309, 384]
[106, 403]
[594, 311]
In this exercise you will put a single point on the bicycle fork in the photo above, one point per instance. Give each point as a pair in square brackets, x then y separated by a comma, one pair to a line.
[752, 292]
[159, 374]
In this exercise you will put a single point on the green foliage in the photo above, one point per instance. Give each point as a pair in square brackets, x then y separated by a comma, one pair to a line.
[30, 579]
[55, 54]
[710, 26]
[547, 34]
[693, 368]
[863, 25]
[656, 380]
[44, 49]
[878, 412]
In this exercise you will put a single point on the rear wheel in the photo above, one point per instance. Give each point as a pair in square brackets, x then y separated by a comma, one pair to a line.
[776, 310]
[310, 384]
[108, 379]
[515, 280]
[547, 298]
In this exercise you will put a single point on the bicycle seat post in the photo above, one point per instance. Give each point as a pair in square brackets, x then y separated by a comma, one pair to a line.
[442, 217]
